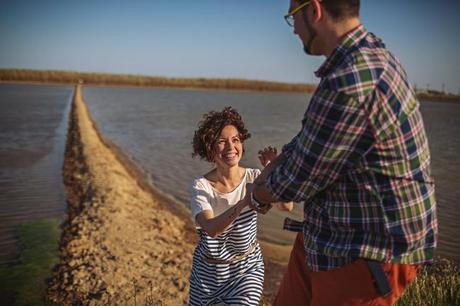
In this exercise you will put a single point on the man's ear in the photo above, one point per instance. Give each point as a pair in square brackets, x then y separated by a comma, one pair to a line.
[317, 10]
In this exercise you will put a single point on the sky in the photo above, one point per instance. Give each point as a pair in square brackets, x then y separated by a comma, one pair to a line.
[216, 39]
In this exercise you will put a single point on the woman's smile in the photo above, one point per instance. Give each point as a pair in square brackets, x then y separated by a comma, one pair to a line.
[230, 155]
[228, 147]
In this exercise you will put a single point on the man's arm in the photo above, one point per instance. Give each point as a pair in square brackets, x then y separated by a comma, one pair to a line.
[335, 135]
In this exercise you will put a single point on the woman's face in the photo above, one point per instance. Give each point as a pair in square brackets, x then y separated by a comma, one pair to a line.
[228, 147]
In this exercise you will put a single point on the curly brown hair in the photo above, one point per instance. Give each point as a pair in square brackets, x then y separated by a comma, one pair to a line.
[210, 128]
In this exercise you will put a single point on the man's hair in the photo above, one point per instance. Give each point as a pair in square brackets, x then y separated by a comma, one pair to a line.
[210, 128]
[340, 9]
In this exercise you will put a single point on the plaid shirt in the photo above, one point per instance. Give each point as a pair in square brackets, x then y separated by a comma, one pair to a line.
[361, 162]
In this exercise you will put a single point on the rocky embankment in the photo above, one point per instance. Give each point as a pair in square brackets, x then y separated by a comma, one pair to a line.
[120, 244]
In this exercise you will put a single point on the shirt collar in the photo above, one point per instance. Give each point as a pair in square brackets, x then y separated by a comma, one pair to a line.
[349, 40]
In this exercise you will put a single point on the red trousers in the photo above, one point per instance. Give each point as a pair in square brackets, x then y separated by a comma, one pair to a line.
[351, 284]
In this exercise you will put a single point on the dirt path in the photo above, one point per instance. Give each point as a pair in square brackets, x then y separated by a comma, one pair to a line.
[122, 244]
[119, 243]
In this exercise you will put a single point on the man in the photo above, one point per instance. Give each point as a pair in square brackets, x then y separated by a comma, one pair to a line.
[361, 164]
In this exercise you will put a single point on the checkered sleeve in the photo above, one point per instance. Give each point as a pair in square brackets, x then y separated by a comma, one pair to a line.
[335, 134]
[289, 147]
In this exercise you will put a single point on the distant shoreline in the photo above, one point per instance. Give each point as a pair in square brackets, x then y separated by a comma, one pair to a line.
[102, 79]
[125, 80]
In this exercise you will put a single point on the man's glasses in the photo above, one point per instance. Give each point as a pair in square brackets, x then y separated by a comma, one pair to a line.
[289, 17]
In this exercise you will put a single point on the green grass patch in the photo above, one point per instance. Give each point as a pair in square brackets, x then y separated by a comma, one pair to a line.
[24, 283]
[435, 285]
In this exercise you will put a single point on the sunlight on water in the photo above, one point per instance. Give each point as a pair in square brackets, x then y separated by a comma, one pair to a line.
[154, 127]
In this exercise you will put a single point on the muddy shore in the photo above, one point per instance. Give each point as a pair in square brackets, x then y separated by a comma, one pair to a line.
[123, 243]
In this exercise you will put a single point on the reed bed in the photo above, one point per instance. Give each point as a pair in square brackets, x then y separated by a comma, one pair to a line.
[72, 77]
[107, 79]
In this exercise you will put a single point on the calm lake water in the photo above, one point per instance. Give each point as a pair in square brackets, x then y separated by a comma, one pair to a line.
[154, 128]
[33, 126]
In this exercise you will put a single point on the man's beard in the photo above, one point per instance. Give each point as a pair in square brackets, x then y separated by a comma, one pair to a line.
[312, 33]
[306, 49]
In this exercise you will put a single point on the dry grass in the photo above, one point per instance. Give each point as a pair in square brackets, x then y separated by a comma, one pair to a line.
[72, 77]
[435, 285]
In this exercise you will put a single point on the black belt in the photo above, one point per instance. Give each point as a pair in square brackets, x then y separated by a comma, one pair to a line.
[383, 286]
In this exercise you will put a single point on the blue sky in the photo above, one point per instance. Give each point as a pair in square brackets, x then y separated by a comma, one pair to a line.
[215, 38]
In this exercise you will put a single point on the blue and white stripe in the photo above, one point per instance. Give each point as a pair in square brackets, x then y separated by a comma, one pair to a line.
[238, 282]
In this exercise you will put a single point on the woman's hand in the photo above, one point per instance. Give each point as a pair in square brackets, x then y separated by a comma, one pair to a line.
[262, 209]
[267, 155]
[284, 206]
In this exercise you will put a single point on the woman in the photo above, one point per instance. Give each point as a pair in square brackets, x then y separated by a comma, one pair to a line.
[227, 266]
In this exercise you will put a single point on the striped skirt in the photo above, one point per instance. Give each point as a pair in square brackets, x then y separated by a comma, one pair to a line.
[237, 283]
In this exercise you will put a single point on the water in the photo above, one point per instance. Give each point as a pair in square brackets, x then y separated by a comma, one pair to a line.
[33, 126]
[443, 128]
[154, 127]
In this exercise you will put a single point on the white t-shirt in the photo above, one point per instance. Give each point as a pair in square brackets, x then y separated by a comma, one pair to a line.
[204, 196]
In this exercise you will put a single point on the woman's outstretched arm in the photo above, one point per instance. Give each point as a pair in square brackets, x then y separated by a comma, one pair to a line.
[213, 226]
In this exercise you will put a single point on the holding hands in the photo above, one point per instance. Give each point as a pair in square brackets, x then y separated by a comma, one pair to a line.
[252, 204]
[266, 156]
